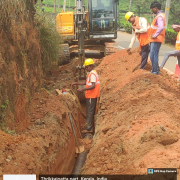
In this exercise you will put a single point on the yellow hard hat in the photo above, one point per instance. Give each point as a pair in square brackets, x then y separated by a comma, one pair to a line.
[88, 62]
[128, 15]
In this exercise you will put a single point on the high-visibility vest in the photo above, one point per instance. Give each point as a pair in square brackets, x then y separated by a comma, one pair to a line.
[154, 27]
[142, 37]
[92, 93]
[177, 46]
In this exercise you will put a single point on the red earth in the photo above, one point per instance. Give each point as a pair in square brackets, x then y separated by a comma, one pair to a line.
[137, 125]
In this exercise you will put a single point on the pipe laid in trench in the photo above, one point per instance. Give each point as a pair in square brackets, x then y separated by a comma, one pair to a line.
[79, 162]
[81, 157]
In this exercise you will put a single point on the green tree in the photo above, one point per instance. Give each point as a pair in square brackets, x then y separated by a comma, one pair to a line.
[174, 8]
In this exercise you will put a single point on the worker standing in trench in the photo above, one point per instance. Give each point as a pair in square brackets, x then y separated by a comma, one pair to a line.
[176, 52]
[92, 93]
[157, 35]
[140, 29]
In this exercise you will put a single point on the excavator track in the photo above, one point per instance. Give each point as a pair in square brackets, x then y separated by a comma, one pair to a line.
[64, 54]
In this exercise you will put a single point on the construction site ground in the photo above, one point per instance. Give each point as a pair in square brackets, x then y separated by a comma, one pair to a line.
[137, 125]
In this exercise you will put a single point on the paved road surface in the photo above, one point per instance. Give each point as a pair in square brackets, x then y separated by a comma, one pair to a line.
[124, 41]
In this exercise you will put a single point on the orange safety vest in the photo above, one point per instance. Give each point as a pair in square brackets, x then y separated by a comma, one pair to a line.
[154, 27]
[142, 37]
[92, 93]
[177, 46]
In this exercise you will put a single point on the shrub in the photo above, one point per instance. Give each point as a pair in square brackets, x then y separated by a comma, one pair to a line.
[170, 36]
[50, 40]
[128, 27]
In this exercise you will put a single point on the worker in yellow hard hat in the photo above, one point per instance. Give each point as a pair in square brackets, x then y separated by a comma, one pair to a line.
[92, 94]
[128, 15]
[140, 30]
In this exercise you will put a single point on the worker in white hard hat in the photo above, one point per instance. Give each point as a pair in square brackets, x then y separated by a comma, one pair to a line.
[140, 30]
[92, 93]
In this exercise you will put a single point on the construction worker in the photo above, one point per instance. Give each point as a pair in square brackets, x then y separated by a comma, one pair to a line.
[176, 52]
[92, 92]
[157, 35]
[140, 29]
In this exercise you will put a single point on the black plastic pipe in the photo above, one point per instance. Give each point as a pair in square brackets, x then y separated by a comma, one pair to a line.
[79, 162]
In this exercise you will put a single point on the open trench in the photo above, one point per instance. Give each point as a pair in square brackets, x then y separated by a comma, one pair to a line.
[134, 128]
[137, 125]
[45, 144]
[74, 160]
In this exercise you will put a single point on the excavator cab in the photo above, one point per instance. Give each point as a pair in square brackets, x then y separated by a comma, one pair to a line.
[83, 30]
[102, 19]
[94, 29]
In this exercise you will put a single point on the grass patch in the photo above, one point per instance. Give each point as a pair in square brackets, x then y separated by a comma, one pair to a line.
[50, 40]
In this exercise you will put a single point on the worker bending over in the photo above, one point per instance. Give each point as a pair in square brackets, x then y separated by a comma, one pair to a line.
[92, 92]
[140, 29]
[176, 52]
[157, 35]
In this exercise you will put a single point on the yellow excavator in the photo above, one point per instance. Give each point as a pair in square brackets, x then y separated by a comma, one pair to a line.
[94, 29]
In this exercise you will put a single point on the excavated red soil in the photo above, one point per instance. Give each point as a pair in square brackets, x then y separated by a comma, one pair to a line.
[137, 126]
[46, 145]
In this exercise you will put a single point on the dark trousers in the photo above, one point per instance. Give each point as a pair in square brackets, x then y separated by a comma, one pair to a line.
[90, 111]
[144, 55]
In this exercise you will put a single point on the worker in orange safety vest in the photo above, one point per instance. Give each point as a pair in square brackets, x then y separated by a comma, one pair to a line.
[92, 94]
[157, 35]
[140, 29]
[176, 52]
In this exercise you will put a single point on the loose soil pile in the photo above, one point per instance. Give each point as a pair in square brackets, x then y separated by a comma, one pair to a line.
[137, 126]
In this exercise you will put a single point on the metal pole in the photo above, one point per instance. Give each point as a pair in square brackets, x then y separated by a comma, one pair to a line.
[168, 2]
[64, 6]
[130, 5]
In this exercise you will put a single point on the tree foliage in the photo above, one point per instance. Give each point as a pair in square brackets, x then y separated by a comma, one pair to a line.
[174, 8]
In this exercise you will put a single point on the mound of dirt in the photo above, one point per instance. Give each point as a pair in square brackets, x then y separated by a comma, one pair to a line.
[137, 126]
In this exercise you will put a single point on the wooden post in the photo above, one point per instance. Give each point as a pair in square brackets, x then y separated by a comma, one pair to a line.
[58, 4]
[55, 6]
[130, 5]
